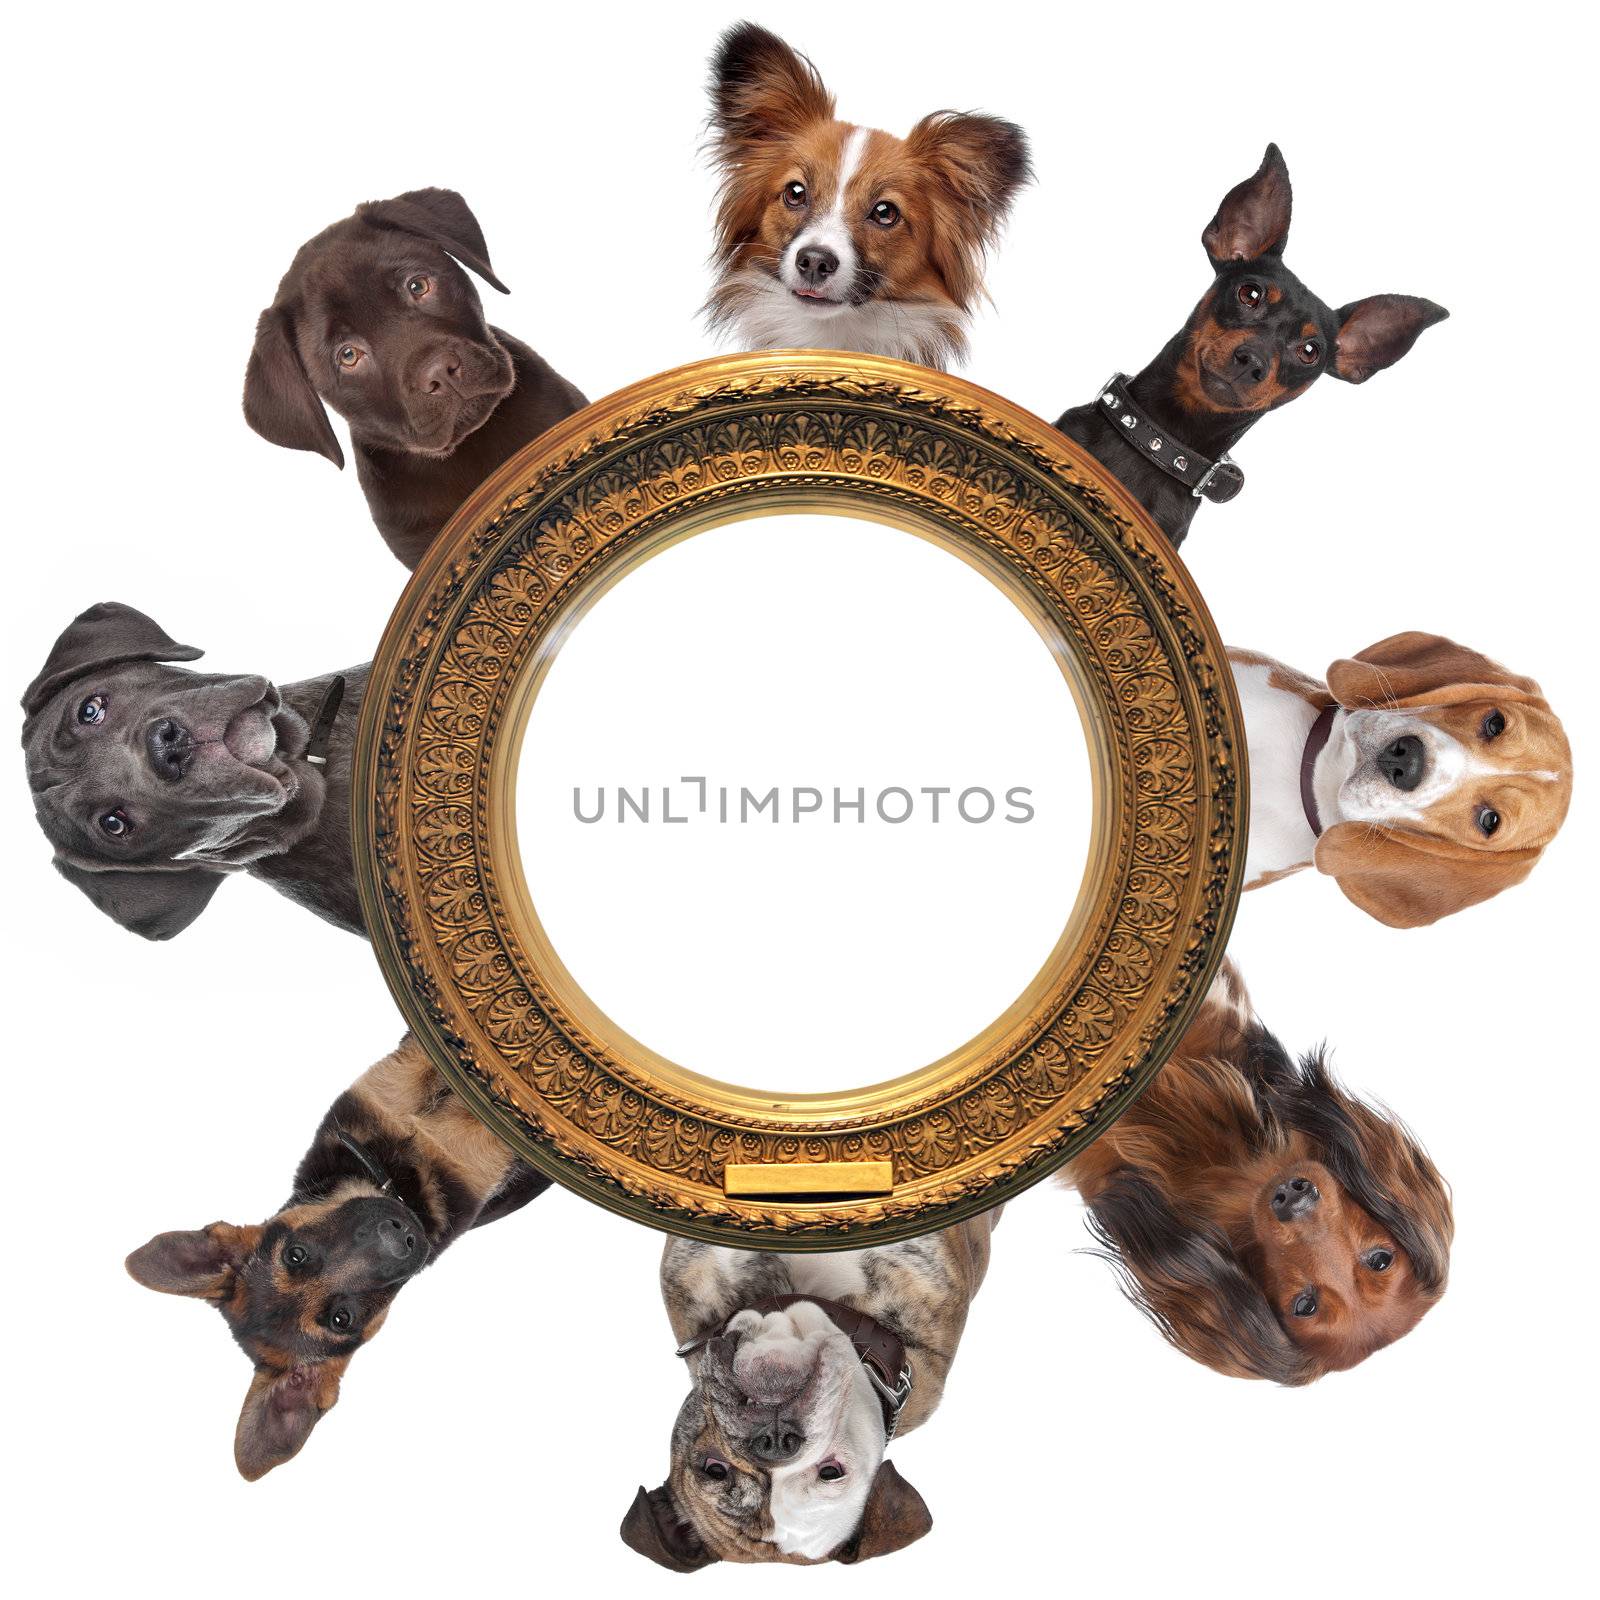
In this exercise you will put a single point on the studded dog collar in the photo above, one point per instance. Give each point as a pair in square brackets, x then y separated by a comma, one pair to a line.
[881, 1351]
[1218, 481]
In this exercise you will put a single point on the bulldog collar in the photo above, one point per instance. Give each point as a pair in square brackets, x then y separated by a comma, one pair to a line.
[1217, 481]
[1316, 743]
[880, 1350]
[322, 727]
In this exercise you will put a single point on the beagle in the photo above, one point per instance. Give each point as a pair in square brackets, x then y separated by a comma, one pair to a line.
[1421, 776]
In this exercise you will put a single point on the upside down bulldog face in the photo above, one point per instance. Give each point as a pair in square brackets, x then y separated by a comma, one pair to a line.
[777, 1449]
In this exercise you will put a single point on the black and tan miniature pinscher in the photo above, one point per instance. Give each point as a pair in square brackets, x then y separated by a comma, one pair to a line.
[1257, 340]
[399, 1170]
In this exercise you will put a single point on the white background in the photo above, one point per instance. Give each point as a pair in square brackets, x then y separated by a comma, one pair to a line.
[164, 165]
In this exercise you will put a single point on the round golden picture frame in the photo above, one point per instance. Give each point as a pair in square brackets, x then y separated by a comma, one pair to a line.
[447, 904]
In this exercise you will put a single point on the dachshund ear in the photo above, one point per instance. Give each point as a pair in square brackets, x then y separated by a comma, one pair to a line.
[1253, 219]
[1424, 669]
[279, 400]
[103, 636]
[1374, 333]
[654, 1529]
[1188, 1281]
[1408, 880]
[895, 1515]
[442, 216]
[154, 904]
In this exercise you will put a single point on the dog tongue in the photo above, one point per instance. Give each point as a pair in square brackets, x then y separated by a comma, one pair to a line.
[250, 736]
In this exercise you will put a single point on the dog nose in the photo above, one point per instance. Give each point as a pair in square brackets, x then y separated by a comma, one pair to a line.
[1401, 762]
[170, 745]
[440, 372]
[816, 265]
[778, 1441]
[1250, 362]
[395, 1239]
[1292, 1200]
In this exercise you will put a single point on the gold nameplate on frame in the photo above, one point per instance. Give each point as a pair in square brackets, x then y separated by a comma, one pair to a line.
[446, 894]
[833, 1179]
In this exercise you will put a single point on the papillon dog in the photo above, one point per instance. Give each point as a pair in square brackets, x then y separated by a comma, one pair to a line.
[843, 237]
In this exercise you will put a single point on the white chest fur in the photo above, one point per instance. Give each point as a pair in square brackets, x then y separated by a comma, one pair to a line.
[1277, 723]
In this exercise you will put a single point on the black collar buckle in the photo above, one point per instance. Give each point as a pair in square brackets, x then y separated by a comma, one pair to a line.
[1218, 481]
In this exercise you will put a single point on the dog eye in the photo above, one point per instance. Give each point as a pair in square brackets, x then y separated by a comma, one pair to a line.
[418, 286]
[1311, 351]
[1305, 1305]
[116, 823]
[340, 1318]
[93, 710]
[886, 213]
[296, 1255]
[1251, 295]
[1379, 1260]
[1493, 725]
[348, 356]
[794, 195]
[714, 1469]
[1488, 819]
[830, 1471]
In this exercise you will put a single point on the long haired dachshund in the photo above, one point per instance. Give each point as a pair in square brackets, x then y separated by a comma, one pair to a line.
[1422, 777]
[1270, 1224]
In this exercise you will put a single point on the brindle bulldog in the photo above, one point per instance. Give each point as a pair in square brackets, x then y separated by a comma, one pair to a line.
[802, 1369]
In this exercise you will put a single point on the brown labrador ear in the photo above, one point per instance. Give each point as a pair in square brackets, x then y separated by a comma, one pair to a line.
[442, 216]
[654, 1528]
[199, 1262]
[1374, 333]
[279, 400]
[106, 635]
[1253, 219]
[155, 905]
[1408, 880]
[981, 162]
[895, 1516]
[280, 1410]
[1415, 669]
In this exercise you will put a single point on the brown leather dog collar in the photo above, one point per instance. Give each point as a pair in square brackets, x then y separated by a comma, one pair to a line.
[881, 1351]
[1316, 743]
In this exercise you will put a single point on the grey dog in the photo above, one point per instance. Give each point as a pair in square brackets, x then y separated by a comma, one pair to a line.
[153, 783]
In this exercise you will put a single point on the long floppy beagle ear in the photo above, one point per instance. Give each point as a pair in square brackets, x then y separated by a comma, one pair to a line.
[1408, 880]
[1424, 669]
[279, 400]
[1253, 219]
[198, 1262]
[106, 635]
[1374, 333]
[155, 905]
[895, 1516]
[442, 216]
[280, 1410]
[654, 1528]
[1187, 1280]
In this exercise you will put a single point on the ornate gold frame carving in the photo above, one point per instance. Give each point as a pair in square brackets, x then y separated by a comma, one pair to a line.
[441, 881]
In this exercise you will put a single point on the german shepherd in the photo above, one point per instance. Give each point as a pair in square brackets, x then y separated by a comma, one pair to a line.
[398, 1171]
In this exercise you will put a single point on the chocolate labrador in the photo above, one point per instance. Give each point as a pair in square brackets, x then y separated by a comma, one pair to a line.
[153, 783]
[375, 318]
[803, 1367]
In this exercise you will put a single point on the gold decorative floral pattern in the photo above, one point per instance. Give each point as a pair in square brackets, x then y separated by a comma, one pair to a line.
[440, 726]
